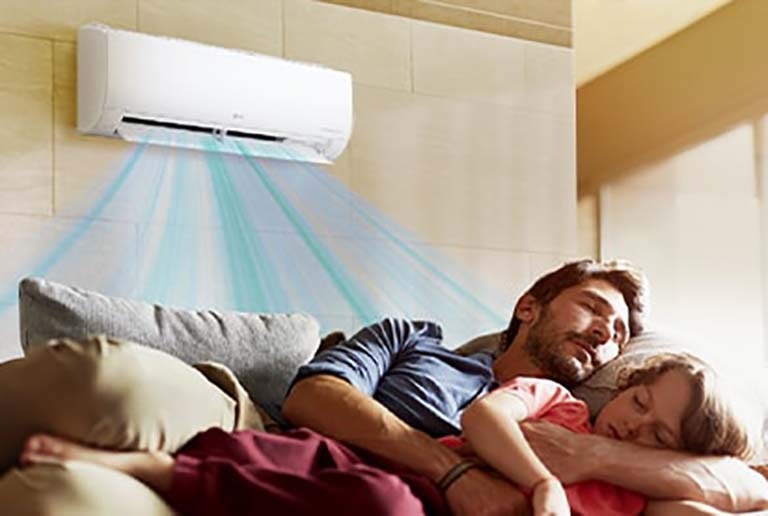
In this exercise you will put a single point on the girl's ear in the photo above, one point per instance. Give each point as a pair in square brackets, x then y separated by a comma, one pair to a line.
[527, 309]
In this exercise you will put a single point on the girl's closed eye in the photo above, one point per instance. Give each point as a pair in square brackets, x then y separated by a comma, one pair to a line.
[661, 440]
[639, 403]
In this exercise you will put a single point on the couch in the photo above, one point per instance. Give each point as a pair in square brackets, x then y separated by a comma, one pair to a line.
[124, 374]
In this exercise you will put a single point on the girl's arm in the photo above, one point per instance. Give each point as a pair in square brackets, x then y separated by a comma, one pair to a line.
[491, 426]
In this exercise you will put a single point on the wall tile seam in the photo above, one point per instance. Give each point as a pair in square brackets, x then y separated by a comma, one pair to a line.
[47, 39]
[77, 218]
[24, 214]
[494, 14]
[538, 251]
[53, 128]
[503, 34]
[391, 18]
[517, 108]
[430, 24]
[135, 228]
[431, 242]
[412, 68]
[759, 159]
[540, 254]
[496, 249]
[527, 23]
[283, 30]
[409, 19]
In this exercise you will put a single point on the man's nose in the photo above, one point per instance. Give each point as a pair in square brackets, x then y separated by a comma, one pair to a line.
[601, 331]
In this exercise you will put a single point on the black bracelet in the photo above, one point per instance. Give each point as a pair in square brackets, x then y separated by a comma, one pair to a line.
[453, 474]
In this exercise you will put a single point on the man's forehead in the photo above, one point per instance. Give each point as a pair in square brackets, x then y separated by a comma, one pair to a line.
[602, 289]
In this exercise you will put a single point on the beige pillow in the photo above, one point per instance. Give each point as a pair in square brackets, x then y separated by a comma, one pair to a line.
[77, 489]
[107, 393]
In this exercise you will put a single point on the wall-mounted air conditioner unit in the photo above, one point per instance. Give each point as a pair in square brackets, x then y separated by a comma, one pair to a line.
[169, 91]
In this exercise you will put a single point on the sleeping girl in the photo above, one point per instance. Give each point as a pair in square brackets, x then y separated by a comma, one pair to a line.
[671, 402]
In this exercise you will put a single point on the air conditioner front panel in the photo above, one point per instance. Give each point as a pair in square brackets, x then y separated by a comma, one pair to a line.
[158, 78]
[226, 88]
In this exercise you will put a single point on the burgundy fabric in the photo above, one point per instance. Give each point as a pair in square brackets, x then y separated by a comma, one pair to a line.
[299, 473]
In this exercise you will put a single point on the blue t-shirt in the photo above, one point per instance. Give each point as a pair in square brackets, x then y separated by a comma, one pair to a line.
[403, 365]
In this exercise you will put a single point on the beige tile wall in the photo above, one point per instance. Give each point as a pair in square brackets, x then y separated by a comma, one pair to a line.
[546, 21]
[256, 26]
[589, 225]
[463, 137]
[26, 171]
[693, 222]
[60, 21]
[375, 49]
[441, 54]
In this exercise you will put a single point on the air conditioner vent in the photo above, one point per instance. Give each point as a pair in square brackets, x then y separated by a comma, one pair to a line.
[201, 129]
[168, 125]
[255, 136]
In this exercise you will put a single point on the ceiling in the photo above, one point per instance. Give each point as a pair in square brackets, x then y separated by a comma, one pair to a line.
[609, 32]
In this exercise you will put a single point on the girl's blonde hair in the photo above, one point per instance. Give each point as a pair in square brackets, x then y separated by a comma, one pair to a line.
[709, 424]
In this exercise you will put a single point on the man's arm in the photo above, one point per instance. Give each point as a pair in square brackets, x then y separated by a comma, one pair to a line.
[685, 508]
[333, 407]
[722, 482]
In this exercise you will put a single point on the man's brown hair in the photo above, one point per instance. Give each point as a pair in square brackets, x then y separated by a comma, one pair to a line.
[710, 425]
[627, 279]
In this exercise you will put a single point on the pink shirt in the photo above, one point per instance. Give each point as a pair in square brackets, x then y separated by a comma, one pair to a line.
[549, 401]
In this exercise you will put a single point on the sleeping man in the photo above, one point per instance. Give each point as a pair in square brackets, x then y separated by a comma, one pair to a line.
[392, 389]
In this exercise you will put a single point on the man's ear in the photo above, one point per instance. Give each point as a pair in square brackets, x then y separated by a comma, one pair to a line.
[527, 309]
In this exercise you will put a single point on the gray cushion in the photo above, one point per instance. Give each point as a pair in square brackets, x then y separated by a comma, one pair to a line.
[263, 351]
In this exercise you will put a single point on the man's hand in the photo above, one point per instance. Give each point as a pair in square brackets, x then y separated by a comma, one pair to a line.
[478, 493]
[725, 483]
[565, 453]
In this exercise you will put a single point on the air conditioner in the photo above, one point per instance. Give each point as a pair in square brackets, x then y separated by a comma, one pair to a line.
[169, 91]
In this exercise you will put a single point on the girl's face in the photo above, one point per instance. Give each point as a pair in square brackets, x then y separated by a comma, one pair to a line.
[650, 415]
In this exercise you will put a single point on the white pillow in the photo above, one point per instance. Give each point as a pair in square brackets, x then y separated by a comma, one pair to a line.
[748, 391]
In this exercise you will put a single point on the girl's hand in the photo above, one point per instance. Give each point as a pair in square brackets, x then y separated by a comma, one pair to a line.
[548, 498]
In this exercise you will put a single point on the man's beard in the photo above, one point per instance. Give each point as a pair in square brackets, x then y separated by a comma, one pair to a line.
[545, 348]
